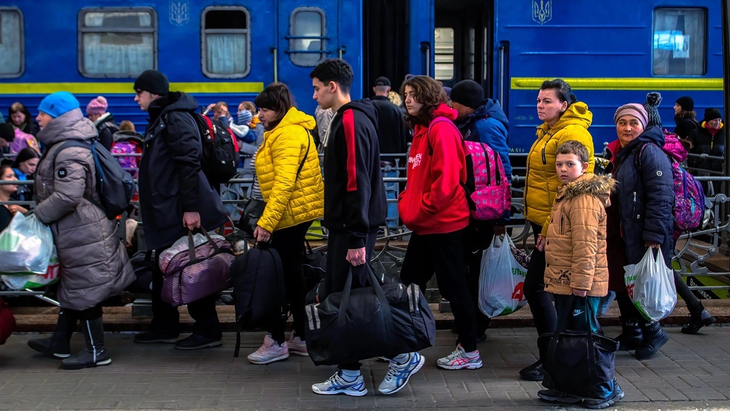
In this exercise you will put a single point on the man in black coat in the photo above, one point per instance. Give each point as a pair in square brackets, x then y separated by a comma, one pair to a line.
[174, 197]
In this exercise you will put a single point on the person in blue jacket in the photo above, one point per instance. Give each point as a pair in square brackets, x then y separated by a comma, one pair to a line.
[483, 120]
[643, 205]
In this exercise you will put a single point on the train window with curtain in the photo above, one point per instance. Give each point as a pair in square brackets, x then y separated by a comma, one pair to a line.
[680, 42]
[226, 42]
[11, 43]
[116, 42]
[307, 36]
[443, 50]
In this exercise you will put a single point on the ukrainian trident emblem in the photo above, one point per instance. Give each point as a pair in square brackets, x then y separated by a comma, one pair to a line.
[542, 12]
[179, 12]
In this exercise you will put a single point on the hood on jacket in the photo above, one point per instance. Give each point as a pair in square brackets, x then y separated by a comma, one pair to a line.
[174, 101]
[653, 134]
[126, 136]
[103, 119]
[576, 114]
[493, 109]
[445, 111]
[299, 118]
[599, 186]
[71, 125]
[364, 106]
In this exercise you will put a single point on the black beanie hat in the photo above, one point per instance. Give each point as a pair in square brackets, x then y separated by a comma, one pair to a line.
[468, 93]
[153, 81]
[686, 103]
[711, 114]
[7, 132]
[652, 102]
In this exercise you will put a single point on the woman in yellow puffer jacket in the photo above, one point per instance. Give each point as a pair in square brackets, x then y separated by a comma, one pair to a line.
[564, 119]
[290, 179]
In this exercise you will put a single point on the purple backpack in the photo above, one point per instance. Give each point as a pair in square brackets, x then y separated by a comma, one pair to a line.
[689, 196]
[127, 149]
[488, 191]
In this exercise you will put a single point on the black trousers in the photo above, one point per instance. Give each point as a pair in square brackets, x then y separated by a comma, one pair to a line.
[87, 314]
[166, 319]
[289, 243]
[541, 305]
[338, 269]
[444, 255]
[477, 239]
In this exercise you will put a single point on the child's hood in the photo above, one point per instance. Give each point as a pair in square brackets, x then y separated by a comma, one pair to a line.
[599, 186]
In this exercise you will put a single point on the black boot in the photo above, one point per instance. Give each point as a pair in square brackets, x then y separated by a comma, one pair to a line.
[700, 317]
[630, 338]
[654, 339]
[57, 345]
[94, 354]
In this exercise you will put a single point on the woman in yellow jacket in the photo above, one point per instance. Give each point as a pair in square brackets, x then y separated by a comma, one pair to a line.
[290, 180]
[564, 119]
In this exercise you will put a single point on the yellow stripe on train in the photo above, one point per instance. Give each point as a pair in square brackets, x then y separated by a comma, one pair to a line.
[128, 88]
[628, 83]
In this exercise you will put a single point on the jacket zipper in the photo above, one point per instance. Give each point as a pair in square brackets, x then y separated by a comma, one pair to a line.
[633, 210]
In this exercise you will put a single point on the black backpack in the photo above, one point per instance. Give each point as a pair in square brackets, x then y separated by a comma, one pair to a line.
[220, 157]
[258, 288]
[114, 185]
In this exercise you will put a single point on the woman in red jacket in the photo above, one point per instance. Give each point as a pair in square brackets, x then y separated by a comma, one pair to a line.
[434, 207]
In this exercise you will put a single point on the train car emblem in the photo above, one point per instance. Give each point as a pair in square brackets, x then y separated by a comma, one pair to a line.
[179, 14]
[542, 12]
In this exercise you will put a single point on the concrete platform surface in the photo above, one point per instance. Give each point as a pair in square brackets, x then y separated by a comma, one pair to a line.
[690, 373]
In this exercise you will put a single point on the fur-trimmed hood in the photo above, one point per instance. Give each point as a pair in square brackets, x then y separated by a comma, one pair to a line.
[599, 186]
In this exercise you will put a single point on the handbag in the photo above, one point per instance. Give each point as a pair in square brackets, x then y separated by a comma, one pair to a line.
[7, 322]
[578, 362]
[196, 272]
[253, 209]
[367, 322]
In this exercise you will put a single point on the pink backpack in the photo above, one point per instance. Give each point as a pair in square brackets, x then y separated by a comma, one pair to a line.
[488, 191]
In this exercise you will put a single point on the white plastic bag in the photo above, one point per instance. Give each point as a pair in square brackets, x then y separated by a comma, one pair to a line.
[650, 285]
[21, 281]
[26, 245]
[501, 279]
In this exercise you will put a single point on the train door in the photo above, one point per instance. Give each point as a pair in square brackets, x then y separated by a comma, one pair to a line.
[310, 32]
[462, 42]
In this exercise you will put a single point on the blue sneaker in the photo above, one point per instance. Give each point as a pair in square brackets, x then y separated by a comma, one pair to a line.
[337, 385]
[399, 374]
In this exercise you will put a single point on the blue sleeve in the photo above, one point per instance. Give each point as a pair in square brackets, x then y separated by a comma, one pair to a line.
[494, 134]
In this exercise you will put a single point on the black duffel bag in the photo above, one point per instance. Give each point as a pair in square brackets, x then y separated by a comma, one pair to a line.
[367, 322]
[578, 362]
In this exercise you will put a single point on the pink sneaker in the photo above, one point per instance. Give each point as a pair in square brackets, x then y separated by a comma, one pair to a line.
[270, 351]
[297, 346]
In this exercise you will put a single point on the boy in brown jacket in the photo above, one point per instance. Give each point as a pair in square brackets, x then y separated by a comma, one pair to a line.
[574, 240]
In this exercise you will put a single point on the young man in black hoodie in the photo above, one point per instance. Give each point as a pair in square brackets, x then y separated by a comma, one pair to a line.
[174, 197]
[354, 208]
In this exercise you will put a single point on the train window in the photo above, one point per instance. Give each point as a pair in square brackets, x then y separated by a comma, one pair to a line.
[307, 36]
[116, 42]
[444, 53]
[11, 43]
[226, 48]
[680, 41]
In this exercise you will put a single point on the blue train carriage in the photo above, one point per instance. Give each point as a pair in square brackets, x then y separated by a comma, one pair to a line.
[216, 51]
[611, 53]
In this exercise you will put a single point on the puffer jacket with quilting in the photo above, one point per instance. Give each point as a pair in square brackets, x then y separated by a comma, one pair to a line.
[93, 262]
[575, 245]
[290, 200]
[542, 180]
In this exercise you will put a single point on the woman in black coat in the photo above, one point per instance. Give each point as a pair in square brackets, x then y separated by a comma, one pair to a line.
[642, 216]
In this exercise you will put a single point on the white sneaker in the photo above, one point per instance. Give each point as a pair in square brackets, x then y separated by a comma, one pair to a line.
[337, 385]
[458, 360]
[399, 374]
[297, 346]
[270, 351]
